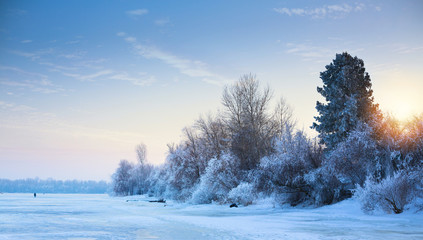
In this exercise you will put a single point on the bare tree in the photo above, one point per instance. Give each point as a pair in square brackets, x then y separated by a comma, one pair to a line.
[141, 151]
[283, 117]
[251, 127]
[214, 133]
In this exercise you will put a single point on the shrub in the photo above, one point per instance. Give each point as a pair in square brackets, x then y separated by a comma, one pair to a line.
[392, 194]
[243, 194]
[220, 177]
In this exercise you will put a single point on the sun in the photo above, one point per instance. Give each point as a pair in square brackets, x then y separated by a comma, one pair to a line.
[402, 111]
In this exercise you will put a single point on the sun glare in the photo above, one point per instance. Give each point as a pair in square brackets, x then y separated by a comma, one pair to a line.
[402, 111]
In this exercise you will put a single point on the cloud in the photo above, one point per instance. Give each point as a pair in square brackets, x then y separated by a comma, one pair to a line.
[143, 80]
[88, 77]
[26, 41]
[307, 51]
[55, 67]
[318, 54]
[332, 11]
[15, 107]
[32, 119]
[403, 49]
[191, 68]
[162, 22]
[130, 39]
[136, 13]
[73, 42]
[75, 55]
[35, 82]
[23, 72]
[33, 55]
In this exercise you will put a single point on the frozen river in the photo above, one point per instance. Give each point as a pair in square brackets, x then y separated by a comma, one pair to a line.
[89, 216]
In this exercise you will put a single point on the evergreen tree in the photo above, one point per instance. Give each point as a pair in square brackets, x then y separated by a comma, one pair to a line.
[348, 94]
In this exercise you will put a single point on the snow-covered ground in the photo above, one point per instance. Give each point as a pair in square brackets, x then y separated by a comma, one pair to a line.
[88, 216]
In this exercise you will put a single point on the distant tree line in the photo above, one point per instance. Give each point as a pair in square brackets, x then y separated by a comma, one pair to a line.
[249, 151]
[31, 185]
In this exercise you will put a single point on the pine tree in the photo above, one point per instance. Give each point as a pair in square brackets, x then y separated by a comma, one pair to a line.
[348, 94]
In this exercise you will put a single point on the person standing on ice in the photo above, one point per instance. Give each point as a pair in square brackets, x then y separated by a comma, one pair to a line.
[35, 194]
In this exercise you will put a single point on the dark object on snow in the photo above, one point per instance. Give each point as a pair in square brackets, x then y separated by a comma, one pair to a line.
[159, 201]
[35, 194]
[233, 205]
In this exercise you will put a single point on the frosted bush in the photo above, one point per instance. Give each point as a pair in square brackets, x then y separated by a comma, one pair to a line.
[356, 157]
[219, 178]
[243, 194]
[392, 194]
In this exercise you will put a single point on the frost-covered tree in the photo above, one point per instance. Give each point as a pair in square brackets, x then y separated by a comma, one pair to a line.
[283, 117]
[122, 184]
[283, 173]
[214, 134]
[220, 177]
[412, 141]
[356, 157]
[182, 173]
[141, 173]
[348, 94]
[141, 151]
[392, 194]
[243, 194]
[251, 127]
[185, 164]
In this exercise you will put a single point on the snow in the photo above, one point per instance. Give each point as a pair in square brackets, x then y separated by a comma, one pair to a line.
[90, 216]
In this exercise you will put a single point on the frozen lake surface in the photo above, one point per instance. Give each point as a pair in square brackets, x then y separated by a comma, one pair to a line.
[89, 216]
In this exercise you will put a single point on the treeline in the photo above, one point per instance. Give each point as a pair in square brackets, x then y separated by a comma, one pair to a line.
[249, 151]
[31, 185]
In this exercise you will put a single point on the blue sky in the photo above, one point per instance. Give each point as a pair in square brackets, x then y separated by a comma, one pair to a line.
[83, 82]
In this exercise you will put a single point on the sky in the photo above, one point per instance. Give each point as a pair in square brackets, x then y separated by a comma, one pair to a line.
[83, 82]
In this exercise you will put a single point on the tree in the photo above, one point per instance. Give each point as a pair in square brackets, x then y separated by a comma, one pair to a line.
[214, 134]
[141, 151]
[356, 158]
[348, 94]
[283, 117]
[122, 184]
[251, 128]
[283, 173]
[220, 177]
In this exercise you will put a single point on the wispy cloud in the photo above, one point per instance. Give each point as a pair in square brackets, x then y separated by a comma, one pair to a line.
[137, 12]
[191, 68]
[23, 72]
[33, 56]
[55, 67]
[35, 82]
[311, 52]
[90, 76]
[308, 51]
[143, 80]
[332, 11]
[75, 55]
[403, 49]
[162, 22]
[36, 55]
[18, 116]
[15, 107]
[73, 42]
[26, 41]
[130, 39]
